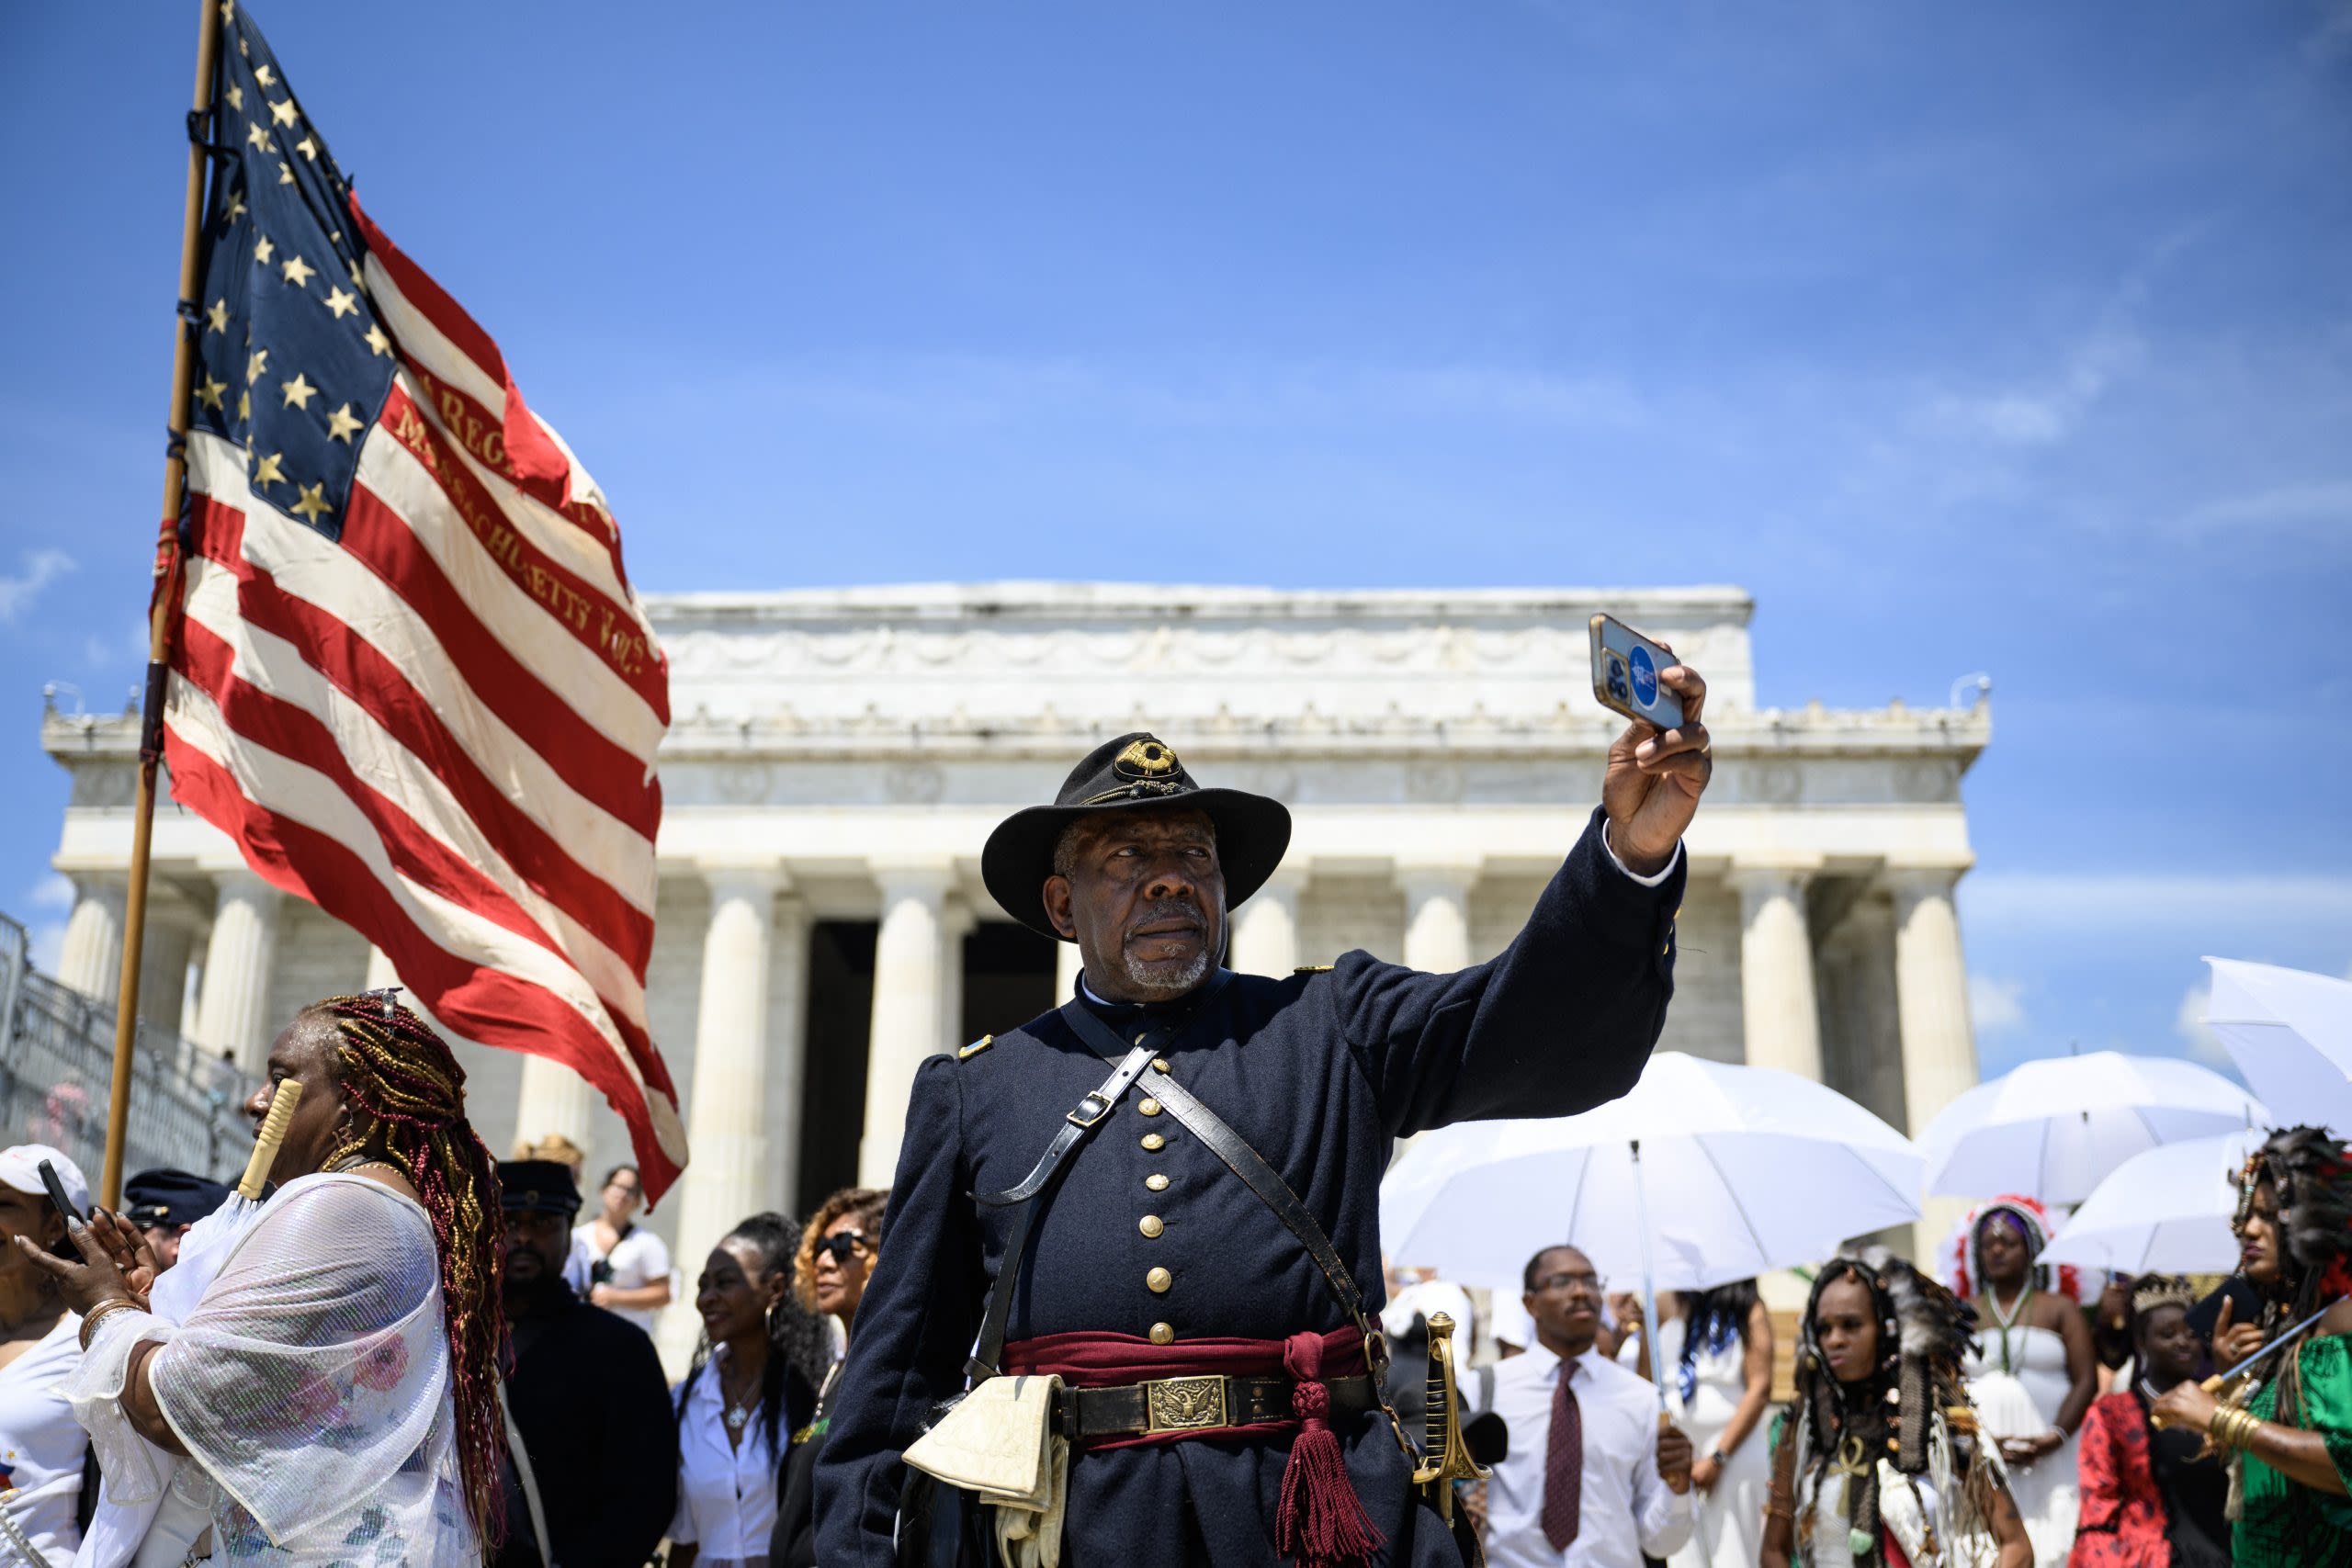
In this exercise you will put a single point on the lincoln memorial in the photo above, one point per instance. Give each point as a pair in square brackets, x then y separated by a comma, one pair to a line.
[839, 755]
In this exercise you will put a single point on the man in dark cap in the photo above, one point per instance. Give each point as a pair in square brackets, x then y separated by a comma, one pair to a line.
[1204, 1284]
[586, 1393]
[163, 1203]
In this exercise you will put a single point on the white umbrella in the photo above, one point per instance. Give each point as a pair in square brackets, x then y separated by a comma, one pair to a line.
[1741, 1170]
[2053, 1128]
[2164, 1212]
[2290, 1034]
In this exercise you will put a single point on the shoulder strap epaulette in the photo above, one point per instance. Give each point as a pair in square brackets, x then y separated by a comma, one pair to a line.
[1313, 969]
[976, 1047]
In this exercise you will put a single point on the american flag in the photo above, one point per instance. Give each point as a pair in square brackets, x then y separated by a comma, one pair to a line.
[408, 674]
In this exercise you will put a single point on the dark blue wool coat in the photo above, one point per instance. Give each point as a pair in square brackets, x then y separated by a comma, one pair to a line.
[1320, 1072]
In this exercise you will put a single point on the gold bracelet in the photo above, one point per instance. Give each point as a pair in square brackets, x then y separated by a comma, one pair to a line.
[2232, 1429]
[99, 1314]
[2221, 1429]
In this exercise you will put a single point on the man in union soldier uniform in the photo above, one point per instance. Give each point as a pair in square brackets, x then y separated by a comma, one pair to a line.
[1195, 1238]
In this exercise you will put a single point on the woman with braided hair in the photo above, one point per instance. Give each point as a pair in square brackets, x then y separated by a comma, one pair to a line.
[1876, 1463]
[2286, 1428]
[333, 1397]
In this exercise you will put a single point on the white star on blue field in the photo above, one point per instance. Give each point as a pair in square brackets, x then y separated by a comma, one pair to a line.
[1998, 337]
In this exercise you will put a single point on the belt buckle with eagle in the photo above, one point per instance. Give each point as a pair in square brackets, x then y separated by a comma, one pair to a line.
[1184, 1404]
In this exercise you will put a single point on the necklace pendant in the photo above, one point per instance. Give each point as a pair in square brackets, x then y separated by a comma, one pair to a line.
[736, 1416]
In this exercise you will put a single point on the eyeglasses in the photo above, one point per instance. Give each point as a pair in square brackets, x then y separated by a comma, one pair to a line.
[842, 1244]
[1584, 1282]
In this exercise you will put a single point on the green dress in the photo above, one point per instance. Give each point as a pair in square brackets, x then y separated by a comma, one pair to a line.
[2283, 1525]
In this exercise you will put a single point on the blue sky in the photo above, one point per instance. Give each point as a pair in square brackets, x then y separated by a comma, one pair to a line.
[2005, 336]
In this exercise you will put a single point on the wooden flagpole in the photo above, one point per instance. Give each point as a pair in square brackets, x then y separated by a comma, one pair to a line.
[151, 719]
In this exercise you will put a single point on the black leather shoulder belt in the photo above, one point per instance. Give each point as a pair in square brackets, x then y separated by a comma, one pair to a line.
[1133, 1067]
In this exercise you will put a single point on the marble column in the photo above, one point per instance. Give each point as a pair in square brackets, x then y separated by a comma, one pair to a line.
[550, 1099]
[1779, 1014]
[380, 972]
[233, 1012]
[908, 962]
[91, 959]
[1932, 1003]
[956, 921]
[727, 1101]
[788, 1054]
[163, 971]
[1437, 914]
[1265, 929]
[1067, 964]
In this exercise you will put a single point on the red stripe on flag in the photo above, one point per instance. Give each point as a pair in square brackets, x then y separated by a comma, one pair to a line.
[378, 686]
[590, 761]
[536, 463]
[486, 1005]
[586, 613]
[294, 732]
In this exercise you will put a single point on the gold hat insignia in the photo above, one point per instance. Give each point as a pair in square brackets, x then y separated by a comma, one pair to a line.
[1144, 759]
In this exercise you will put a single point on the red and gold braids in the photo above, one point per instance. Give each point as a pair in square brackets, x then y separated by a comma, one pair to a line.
[406, 1093]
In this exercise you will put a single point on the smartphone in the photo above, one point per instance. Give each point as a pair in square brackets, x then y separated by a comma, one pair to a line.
[1625, 666]
[57, 1193]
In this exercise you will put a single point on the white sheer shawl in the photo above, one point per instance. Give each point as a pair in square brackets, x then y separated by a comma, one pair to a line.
[310, 1387]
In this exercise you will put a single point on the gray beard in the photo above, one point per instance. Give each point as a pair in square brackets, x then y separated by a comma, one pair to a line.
[1167, 977]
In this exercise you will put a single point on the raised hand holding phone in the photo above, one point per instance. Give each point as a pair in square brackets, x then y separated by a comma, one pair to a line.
[1660, 765]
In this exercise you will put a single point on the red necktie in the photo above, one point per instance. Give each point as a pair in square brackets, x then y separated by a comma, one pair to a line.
[1564, 1465]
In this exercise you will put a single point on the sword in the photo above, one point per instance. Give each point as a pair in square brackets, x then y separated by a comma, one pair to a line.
[2220, 1381]
[1448, 1458]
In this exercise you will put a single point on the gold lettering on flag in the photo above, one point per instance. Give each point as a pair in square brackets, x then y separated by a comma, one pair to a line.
[618, 640]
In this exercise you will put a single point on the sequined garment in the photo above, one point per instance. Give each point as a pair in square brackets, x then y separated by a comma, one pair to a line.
[310, 1386]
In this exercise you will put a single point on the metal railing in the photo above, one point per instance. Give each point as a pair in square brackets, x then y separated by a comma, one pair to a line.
[57, 1068]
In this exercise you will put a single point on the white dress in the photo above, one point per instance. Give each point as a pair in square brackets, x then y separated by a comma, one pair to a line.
[1731, 1517]
[41, 1445]
[310, 1385]
[2023, 1402]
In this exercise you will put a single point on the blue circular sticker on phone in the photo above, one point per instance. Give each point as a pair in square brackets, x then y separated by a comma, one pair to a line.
[1645, 677]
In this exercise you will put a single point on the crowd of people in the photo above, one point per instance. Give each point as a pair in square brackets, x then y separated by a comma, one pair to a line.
[1998, 1416]
[409, 1355]
[404, 1349]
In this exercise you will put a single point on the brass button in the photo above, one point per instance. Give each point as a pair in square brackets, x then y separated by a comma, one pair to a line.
[1159, 1065]
[1153, 1142]
[1160, 1280]
[1162, 1334]
[1150, 1226]
[1149, 1107]
[1155, 1182]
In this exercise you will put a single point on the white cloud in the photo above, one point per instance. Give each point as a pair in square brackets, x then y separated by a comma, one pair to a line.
[49, 902]
[131, 641]
[41, 569]
[2324, 505]
[2204, 1046]
[2044, 412]
[1995, 1006]
[2058, 901]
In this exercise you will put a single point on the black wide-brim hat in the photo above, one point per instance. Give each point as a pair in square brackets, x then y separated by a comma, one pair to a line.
[1135, 773]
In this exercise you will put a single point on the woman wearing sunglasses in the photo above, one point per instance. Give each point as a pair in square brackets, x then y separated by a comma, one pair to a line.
[836, 1258]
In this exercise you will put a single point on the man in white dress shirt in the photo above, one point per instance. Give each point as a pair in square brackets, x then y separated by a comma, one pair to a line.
[1593, 1479]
